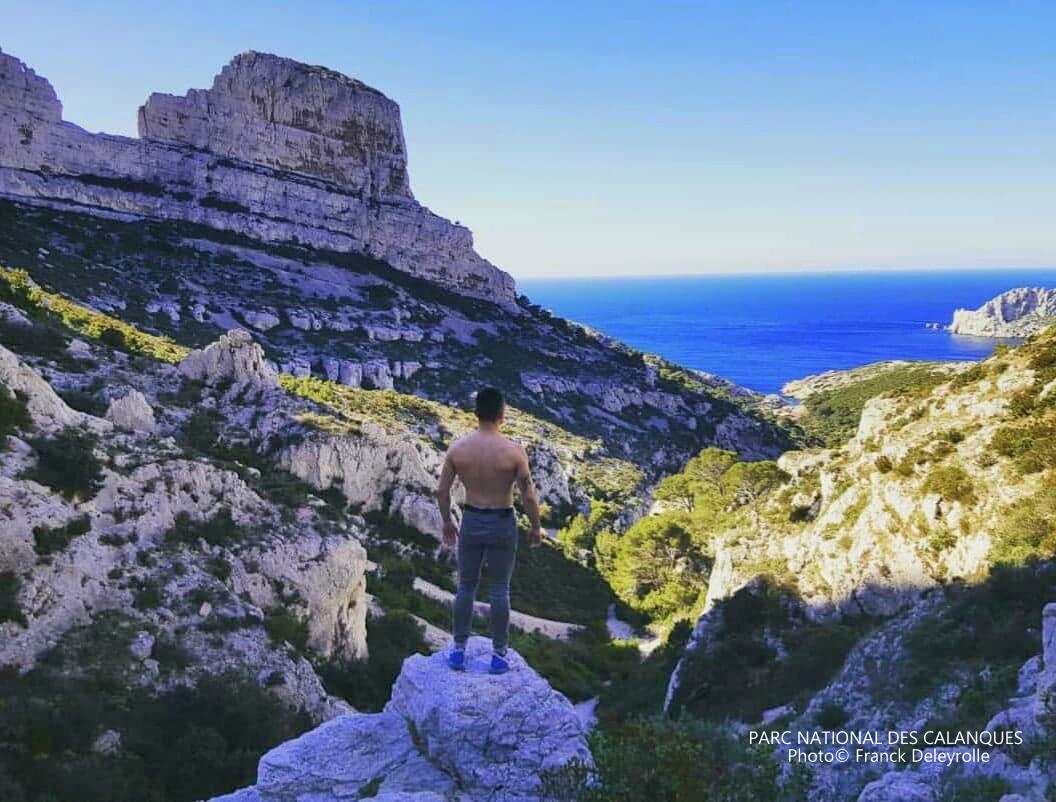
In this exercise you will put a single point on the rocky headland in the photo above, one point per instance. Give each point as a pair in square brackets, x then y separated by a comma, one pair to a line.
[1014, 314]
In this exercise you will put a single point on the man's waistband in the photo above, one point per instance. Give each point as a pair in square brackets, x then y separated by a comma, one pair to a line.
[500, 512]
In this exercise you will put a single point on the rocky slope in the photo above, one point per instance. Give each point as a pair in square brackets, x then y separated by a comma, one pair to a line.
[1014, 314]
[201, 515]
[907, 544]
[278, 201]
[443, 737]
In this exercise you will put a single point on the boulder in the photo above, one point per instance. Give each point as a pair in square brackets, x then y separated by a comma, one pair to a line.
[233, 358]
[444, 736]
[132, 413]
[493, 733]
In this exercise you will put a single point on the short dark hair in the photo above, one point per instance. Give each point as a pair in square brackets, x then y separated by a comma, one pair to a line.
[490, 404]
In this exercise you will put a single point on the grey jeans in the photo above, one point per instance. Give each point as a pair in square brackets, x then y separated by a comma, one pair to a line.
[487, 537]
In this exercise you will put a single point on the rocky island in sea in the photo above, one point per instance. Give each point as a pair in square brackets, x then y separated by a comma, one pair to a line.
[232, 353]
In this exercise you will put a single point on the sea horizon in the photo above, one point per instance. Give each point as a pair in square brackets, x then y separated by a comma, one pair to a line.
[762, 330]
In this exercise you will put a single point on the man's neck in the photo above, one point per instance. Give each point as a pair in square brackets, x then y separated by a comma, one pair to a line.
[487, 427]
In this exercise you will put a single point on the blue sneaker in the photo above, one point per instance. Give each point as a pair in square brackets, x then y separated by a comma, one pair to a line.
[499, 664]
[456, 658]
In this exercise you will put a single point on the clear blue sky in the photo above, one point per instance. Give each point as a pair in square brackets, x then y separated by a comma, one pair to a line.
[641, 138]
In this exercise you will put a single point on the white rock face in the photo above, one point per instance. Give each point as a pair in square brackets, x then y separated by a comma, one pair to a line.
[234, 357]
[276, 150]
[47, 410]
[444, 736]
[132, 413]
[261, 321]
[311, 120]
[1017, 313]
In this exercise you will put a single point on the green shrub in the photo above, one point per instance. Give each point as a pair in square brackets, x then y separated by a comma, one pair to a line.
[744, 672]
[284, 627]
[831, 716]
[1028, 529]
[833, 415]
[367, 684]
[48, 540]
[13, 415]
[990, 625]
[883, 463]
[10, 610]
[1031, 446]
[974, 789]
[220, 530]
[52, 715]
[67, 463]
[84, 401]
[951, 482]
[668, 761]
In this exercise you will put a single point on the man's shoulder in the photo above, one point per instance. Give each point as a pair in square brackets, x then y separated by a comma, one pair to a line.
[516, 446]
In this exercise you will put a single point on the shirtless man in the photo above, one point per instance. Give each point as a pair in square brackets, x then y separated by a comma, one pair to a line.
[489, 466]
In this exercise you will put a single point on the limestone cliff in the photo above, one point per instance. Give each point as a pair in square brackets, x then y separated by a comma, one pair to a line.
[1014, 314]
[276, 150]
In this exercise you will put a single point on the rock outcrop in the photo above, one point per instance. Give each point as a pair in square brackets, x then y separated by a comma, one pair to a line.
[276, 150]
[443, 737]
[1015, 314]
[234, 358]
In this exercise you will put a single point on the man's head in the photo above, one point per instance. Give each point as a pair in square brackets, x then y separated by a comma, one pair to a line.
[490, 405]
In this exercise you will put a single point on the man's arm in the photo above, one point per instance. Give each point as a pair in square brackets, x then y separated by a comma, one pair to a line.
[443, 498]
[529, 498]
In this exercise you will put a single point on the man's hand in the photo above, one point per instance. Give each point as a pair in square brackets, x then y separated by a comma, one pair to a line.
[450, 534]
[535, 537]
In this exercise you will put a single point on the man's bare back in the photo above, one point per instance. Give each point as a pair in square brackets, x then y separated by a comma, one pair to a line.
[488, 465]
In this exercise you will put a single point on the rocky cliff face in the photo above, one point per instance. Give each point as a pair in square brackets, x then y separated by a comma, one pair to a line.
[1014, 314]
[276, 150]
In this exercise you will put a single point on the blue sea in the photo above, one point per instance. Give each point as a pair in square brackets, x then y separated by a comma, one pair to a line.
[762, 330]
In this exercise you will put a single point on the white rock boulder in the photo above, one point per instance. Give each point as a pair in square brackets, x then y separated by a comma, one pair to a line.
[132, 412]
[235, 357]
[443, 737]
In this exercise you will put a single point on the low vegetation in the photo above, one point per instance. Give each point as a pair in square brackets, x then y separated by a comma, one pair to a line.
[86, 685]
[994, 625]
[14, 416]
[10, 609]
[833, 414]
[764, 653]
[17, 288]
[67, 463]
[670, 761]
[48, 539]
